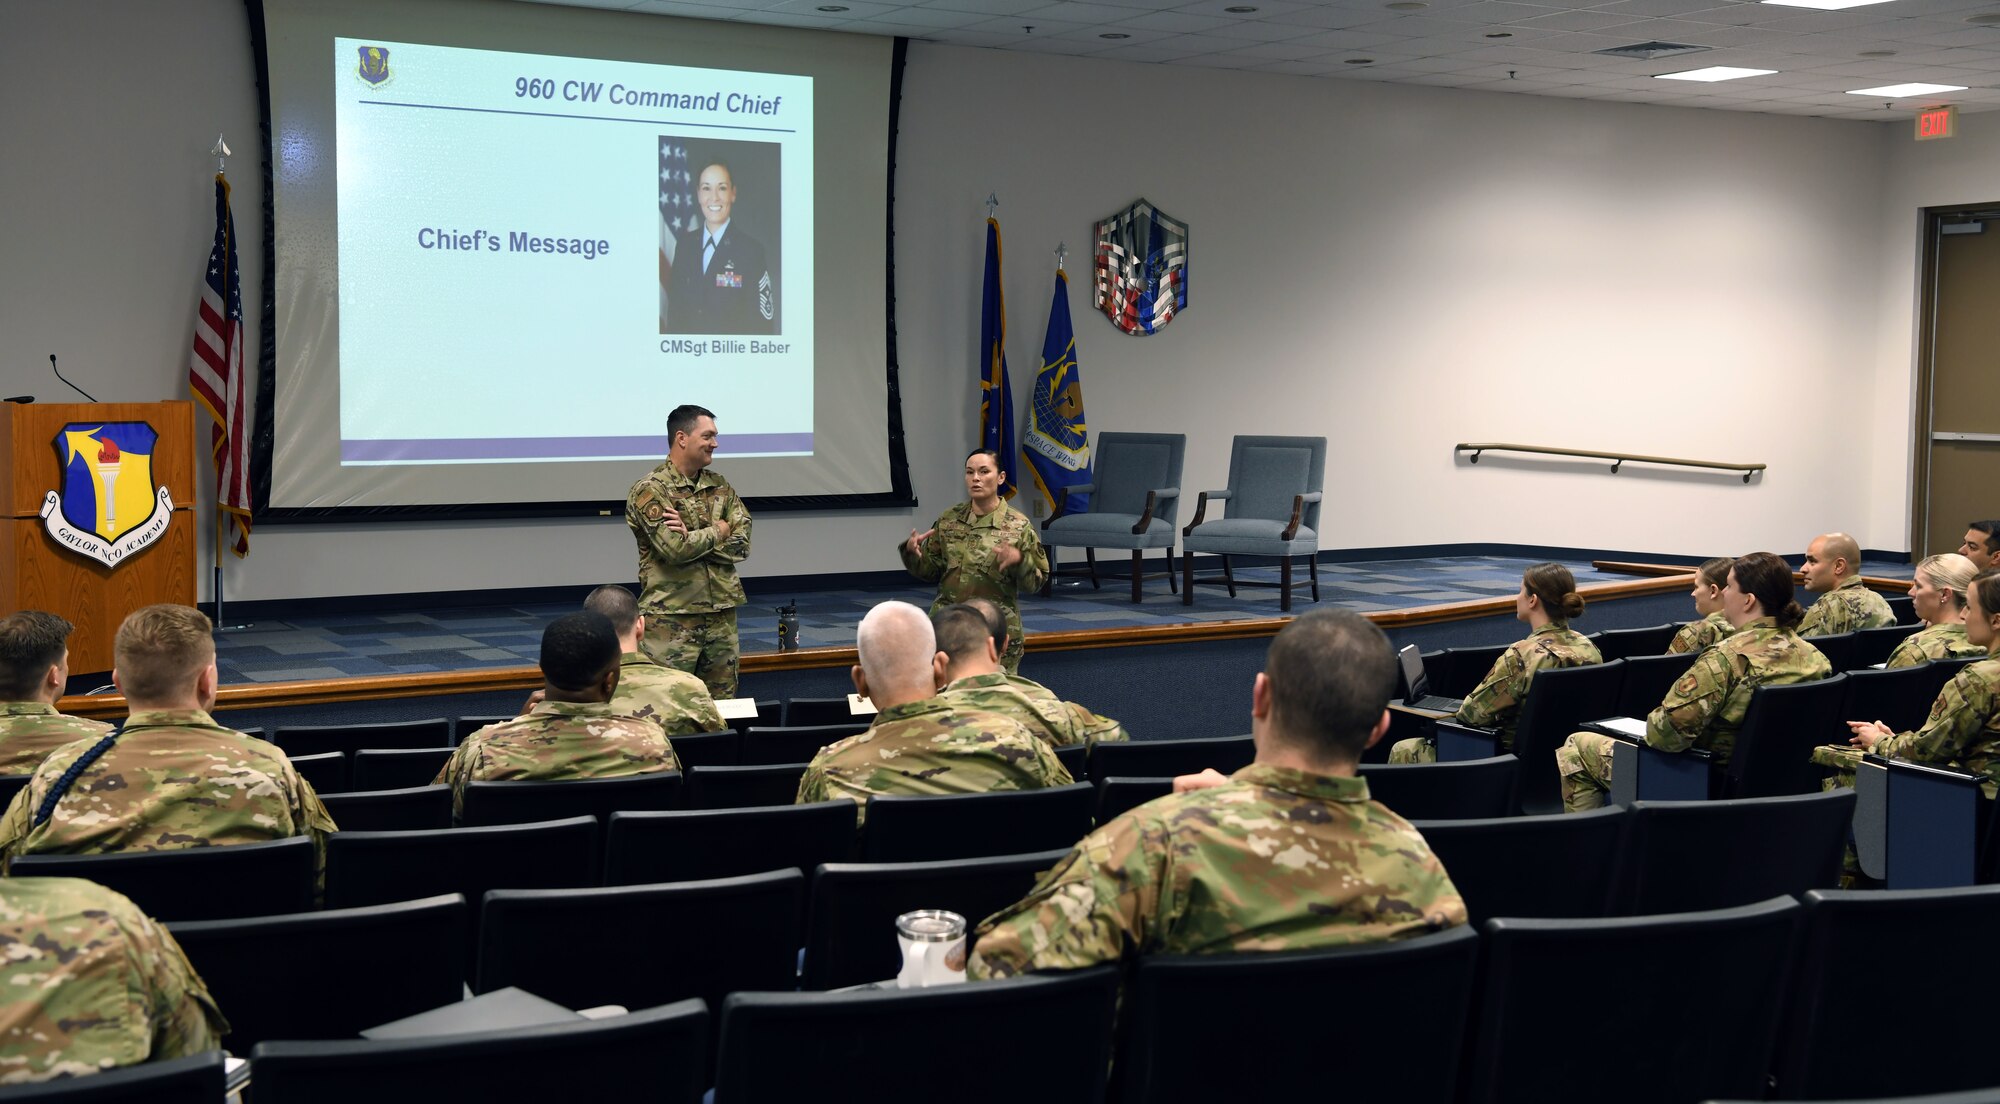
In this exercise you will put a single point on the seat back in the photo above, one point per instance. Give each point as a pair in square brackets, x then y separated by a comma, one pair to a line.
[315, 739]
[907, 828]
[11, 784]
[1905, 609]
[405, 810]
[1872, 646]
[194, 1080]
[712, 938]
[1530, 865]
[1458, 670]
[851, 937]
[656, 1054]
[1124, 466]
[1899, 697]
[1619, 643]
[1839, 649]
[743, 787]
[373, 868]
[1773, 753]
[1647, 680]
[1166, 758]
[1117, 796]
[326, 772]
[1470, 788]
[1277, 1005]
[808, 712]
[920, 1038]
[523, 802]
[1680, 856]
[195, 883]
[1559, 700]
[707, 749]
[1267, 473]
[1846, 976]
[395, 769]
[321, 975]
[725, 843]
[767, 746]
[466, 726]
[1075, 759]
[770, 711]
[1711, 986]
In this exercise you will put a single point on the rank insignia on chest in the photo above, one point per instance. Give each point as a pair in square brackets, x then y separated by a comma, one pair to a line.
[729, 278]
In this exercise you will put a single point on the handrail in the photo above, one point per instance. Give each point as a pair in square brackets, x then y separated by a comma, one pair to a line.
[1477, 447]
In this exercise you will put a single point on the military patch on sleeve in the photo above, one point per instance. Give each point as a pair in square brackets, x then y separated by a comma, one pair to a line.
[653, 511]
[1687, 685]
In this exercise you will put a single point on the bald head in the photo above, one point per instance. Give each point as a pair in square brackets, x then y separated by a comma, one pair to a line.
[898, 651]
[1831, 559]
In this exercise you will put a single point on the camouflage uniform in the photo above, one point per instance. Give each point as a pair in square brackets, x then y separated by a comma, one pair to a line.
[1029, 702]
[675, 700]
[1703, 710]
[931, 747]
[688, 585]
[1274, 860]
[1696, 635]
[1845, 608]
[958, 557]
[1946, 641]
[29, 730]
[173, 779]
[1963, 732]
[557, 742]
[1096, 730]
[92, 983]
[1496, 702]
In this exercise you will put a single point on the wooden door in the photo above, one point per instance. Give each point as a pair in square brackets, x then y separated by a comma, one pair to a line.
[1959, 408]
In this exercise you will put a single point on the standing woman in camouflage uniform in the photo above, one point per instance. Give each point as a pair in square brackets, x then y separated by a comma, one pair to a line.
[1938, 597]
[1713, 624]
[981, 548]
[1706, 707]
[1964, 727]
[1547, 601]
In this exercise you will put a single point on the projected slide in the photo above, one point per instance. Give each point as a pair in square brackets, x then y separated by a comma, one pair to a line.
[538, 254]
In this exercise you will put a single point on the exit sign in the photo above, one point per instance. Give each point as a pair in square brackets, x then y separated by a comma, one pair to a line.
[1937, 122]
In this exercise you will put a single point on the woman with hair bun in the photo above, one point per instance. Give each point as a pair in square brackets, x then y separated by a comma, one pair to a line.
[1547, 601]
[1705, 708]
[1938, 597]
[1709, 579]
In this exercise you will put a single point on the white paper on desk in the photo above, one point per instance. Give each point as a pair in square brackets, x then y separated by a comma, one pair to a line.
[860, 706]
[1624, 726]
[737, 709]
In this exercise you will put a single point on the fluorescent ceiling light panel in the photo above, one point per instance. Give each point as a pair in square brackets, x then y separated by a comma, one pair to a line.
[1825, 5]
[1716, 73]
[1895, 91]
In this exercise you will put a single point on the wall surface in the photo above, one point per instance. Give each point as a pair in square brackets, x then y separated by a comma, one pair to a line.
[1397, 268]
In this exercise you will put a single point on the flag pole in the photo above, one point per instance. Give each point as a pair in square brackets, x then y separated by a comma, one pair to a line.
[221, 151]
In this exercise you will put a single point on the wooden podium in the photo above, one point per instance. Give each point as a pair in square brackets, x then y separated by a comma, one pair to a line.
[37, 572]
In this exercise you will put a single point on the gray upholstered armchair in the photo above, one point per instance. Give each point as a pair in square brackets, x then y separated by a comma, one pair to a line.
[1133, 503]
[1274, 498]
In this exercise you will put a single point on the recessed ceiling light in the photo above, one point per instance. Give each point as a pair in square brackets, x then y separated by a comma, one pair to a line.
[1357, 61]
[833, 7]
[1114, 34]
[1240, 9]
[1500, 34]
[1897, 91]
[1825, 5]
[1407, 5]
[1715, 73]
[1876, 53]
[1984, 19]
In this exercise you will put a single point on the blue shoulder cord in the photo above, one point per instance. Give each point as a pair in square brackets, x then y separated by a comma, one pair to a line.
[96, 751]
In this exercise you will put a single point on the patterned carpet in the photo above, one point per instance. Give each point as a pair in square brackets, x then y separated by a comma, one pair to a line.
[405, 642]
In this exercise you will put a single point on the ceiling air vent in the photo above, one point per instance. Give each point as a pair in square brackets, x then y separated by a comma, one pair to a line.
[1647, 51]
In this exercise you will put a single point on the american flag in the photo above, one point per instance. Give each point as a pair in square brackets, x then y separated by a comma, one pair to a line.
[677, 207]
[215, 372]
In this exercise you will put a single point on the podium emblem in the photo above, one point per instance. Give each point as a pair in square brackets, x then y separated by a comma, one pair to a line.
[109, 507]
[1141, 268]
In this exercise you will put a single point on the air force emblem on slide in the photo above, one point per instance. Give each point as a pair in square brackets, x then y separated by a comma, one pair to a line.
[108, 508]
[374, 68]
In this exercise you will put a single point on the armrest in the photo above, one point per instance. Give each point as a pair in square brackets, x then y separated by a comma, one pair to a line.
[1165, 493]
[1461, 741]
[1201, 507]
[1298, 512]
[1641, 772]
[1916, 825]
[1312, 496]
[1062, 499]
[1145, 515]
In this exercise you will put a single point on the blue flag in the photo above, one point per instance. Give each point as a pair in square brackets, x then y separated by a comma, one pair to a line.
[996, 398]
[1057, 444]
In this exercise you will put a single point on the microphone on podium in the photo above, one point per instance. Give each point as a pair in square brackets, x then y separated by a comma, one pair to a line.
[65, 379]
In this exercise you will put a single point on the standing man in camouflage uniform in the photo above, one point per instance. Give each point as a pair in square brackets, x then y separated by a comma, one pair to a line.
[1288, 853]
[1706, 707]
[171, 777]
[91, 983]
[1982, 544]
[917, 743]
[981, 548]
[34, 670]
[692, 532]
[675, 700]
[1833, 571]
[973, 679]
[573, 732]
[1547, 601]
[1713, 624]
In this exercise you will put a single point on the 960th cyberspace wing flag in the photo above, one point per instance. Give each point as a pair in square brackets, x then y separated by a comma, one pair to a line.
[996, 398]
[1057, 444]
